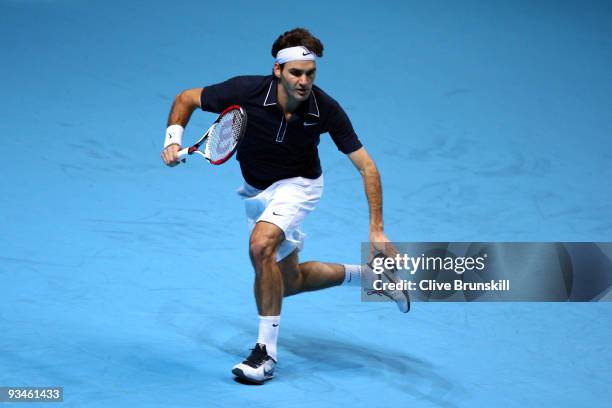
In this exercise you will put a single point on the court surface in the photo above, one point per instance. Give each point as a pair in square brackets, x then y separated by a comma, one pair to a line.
[129, 284]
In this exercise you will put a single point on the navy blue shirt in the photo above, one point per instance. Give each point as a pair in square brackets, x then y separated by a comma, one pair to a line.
[274, 148]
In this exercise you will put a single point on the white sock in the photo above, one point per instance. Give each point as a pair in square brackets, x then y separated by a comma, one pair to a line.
[352, 275]
[268, 333]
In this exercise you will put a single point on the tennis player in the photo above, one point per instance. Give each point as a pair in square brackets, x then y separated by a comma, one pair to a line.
[283, 181]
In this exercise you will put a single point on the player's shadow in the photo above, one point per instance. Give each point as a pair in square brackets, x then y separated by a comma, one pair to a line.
[406, 373]
[314, 362]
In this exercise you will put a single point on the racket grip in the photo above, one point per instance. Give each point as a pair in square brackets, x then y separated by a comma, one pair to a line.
[182, 154]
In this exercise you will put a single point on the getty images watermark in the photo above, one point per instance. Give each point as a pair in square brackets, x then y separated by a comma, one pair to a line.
[491, 271]
[412, 264]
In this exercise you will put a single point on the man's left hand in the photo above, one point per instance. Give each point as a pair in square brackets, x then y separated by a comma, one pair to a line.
[380, 243]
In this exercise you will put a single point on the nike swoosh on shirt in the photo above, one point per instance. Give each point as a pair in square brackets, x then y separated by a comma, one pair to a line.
[274, 213]
[310, 123]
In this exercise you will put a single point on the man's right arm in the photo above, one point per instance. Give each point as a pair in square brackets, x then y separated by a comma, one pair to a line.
[183, 106]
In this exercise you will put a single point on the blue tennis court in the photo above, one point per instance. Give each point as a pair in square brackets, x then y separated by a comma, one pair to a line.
[129, 284]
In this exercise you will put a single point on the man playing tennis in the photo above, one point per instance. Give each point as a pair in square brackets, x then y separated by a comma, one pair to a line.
[283, 180]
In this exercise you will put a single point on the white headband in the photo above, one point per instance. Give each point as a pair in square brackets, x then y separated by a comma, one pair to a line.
[298, 53]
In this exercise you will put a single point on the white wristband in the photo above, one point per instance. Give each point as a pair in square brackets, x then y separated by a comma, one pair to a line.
[174, 135]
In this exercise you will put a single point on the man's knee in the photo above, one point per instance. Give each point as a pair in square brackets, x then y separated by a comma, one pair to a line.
[264, 242]
[261, 249]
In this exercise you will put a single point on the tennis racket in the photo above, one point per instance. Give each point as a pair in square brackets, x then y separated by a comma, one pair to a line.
[222, 138]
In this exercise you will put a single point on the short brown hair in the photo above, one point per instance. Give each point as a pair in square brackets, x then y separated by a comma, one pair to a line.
[298, 36]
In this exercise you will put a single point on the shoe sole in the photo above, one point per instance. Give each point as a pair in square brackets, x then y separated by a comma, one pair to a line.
[240, 374]
[404, 292]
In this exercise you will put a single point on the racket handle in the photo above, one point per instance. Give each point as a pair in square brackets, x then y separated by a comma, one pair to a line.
[182, 154]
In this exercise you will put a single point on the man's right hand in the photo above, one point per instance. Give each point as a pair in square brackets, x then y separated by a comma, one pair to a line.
[170, 155]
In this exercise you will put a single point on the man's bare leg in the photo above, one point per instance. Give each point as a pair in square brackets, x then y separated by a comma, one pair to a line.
[269, 287]
[259, 365]
[309, 276]
[274, 280]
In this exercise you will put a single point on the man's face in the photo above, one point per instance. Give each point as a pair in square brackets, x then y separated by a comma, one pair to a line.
[297, 78]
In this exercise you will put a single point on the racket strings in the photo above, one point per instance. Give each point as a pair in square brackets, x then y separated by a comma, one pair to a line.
[225, 136]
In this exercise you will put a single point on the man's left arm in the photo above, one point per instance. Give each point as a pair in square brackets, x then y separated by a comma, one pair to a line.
[373, 190]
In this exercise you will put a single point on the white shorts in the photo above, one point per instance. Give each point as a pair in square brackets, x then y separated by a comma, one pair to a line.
[284, 204]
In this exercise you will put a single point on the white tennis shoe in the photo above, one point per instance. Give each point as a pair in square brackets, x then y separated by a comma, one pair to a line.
[400, 297]
[258, 366]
